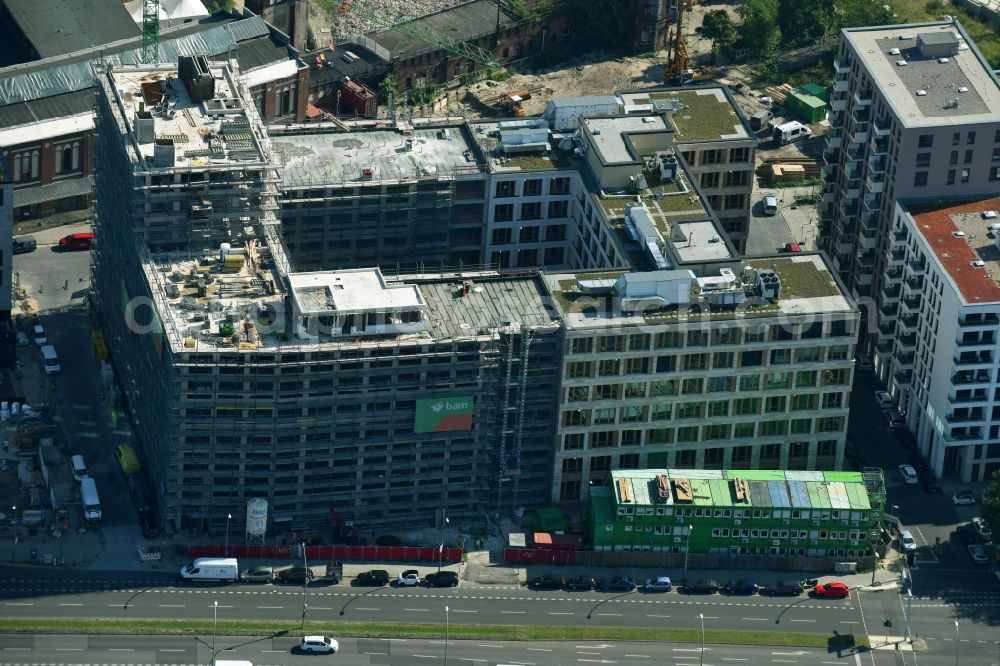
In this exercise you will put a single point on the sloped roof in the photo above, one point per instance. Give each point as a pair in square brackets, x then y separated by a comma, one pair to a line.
[55, 27]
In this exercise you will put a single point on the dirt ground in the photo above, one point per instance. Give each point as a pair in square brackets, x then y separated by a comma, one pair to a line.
[339, 25]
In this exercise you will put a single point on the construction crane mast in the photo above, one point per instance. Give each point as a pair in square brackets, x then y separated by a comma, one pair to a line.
[150, 31]
[368, 9]
[677, 55]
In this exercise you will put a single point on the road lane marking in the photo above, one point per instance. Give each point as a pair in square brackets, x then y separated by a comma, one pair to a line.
[796, 620]
[488, 645]
[121, 650]
[69, 649]
[185, 650]
[16, 648]
[466, 611]
[588, 653]
[611, 614]
[755, 619]
[666, 616]
[734, 659]
[639, 656]
[559, 613]
[506, 612]
[270, 607]
[14, 603]
[417, 610]
[70, 604]
[366, 608]
[538, 649]
[160, 605]
[424, 656]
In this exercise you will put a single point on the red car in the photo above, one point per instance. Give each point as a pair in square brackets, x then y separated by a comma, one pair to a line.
[832, 591]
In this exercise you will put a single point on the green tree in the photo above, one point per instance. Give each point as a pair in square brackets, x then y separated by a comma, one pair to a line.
[857, 13]
[598, 24]
[759, 30]
[718, 28]
[991, 504]
[387, 91]
[804, 22]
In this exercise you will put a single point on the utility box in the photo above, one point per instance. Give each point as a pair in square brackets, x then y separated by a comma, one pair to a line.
[805, 107]
[565, 113]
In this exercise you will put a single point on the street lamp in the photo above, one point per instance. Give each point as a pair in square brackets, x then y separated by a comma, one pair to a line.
[215, 626]
[13, 542]
[956, 642]
[702, 618]
[305, 585]
[444, 522]
[229, 517]
[687, 551]
[447, 627]
[895, 508]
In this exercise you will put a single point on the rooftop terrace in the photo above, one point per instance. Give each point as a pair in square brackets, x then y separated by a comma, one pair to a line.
[702, 114]
[807, 286]
[767, 488]
[964, 76]
[337, 158]
[170, 130]
[959, 234]
[487, 134]
[610, 135]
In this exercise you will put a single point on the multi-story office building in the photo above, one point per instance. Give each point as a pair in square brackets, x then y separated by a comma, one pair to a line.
[945, 336]
[740, 512]
[381, 396]
[666, 369]
[915, 111]
[6, 241]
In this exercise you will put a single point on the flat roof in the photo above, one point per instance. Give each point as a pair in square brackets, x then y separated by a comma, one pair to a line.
[777, 489]
[55, 27]
[351, 291]
[699, 114]
[489, 304]
[939, 223]
[211, 132]
[609, 135]
[334, 158]
[941, 82]
[807, 287]
[702, 242]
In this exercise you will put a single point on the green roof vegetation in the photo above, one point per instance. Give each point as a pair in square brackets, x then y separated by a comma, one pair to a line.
[554, 159]
[703, 117]
[800, 279]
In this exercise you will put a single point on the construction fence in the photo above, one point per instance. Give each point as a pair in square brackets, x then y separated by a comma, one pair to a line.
[342, 553]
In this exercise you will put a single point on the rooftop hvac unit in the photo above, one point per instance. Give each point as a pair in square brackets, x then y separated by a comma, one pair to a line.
[769, 284]
[989, 215]
[668, 165]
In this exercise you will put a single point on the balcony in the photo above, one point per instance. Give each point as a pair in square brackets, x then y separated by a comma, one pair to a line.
[987, 341]
[913, 287]
[898, 238]
[833, 142]
[872, 201]
[910, 305]
[861, 116]
[863, 98]
[965, 415]
[875, 182]
[964, 435]
[908, 324]
[970, 377]
[837, 122]
[842, 65]
[828, 174]
[852, 170]
[848, 225]
[894, 258]
[841, 86]
[851, 195]
[841, 263]
[866, 258]
[879, 146]
[903, 378]
[887, 317]
[916, 267]
[838, 105]
[880, 128]
[988, 320]
[892, 275]
[827, 197]
[843, 248]
[890, 292]
[906, 360]
[887, 333]
[877, 163]
[983, 359]
[906, 342]
[978, 395]
[868, 242]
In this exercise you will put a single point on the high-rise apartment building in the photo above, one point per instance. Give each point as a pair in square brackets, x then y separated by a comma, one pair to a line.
[914, 114]
[946, 333]
[6, 241]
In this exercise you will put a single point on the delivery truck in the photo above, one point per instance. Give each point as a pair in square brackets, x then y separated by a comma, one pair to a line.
[223, 569]
[91, 500]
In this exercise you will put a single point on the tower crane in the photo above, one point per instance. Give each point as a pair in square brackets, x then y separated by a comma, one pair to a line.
[150, 31]
[368, 9]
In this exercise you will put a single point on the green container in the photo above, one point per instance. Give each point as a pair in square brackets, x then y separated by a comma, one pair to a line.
[805, 108]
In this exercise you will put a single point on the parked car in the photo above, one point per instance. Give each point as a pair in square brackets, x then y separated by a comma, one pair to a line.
[577, 583]
[832, 591]
[906, 541]
[293, 576]
[373, 578]
[963, 498]
[616, 584]
[441, 579]
[884, 399]
[982, 531]
[892, 417]
[408, 578]
[701, 586]
[323, 644]
[38, 335]
[24, 244]
[906, 438]
[259, 574]
[658, 584]
[909, 474]
[978, 553]
[930, 482]
[863, 363]
[741, 586]
[79, 241]
[547, 582]
[783, 588]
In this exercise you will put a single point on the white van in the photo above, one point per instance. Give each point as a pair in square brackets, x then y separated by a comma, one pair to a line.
[212, 568]
[906, 541]
[91, 500]
[79, 467]
[790, 132]
[51, 360]
[770, 205]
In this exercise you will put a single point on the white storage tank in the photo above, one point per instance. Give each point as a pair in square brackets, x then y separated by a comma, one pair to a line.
[256, 516]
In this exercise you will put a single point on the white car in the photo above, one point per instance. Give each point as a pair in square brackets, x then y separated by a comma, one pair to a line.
[963, 498]
[409, 578]
[909, 474]
[323, 644]
[982, 531]
[38, 335]
[884, 399]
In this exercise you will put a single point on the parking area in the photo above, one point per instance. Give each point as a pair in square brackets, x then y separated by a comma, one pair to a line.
[795, 221]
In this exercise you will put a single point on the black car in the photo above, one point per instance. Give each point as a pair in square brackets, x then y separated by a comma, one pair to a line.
[580, 583]
[547, 582]
[373, 578]
[741, 586]
[442, 579]
[616, 584]
[701, 586]
[930, 482]
[783, 588]
[294, 576]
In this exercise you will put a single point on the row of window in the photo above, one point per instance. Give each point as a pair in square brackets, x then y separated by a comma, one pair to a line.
[529, 234]
[644, 365]
[742, 514]
[705, 337]
[532, 187]
[603, 439]
[698, 385]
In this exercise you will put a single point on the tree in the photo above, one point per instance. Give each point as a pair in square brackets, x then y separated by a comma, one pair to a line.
[991, 504]
[387, 91]
[759, 30]
[857, 13]
[804, 22]
[599, 25]
[718, 28]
